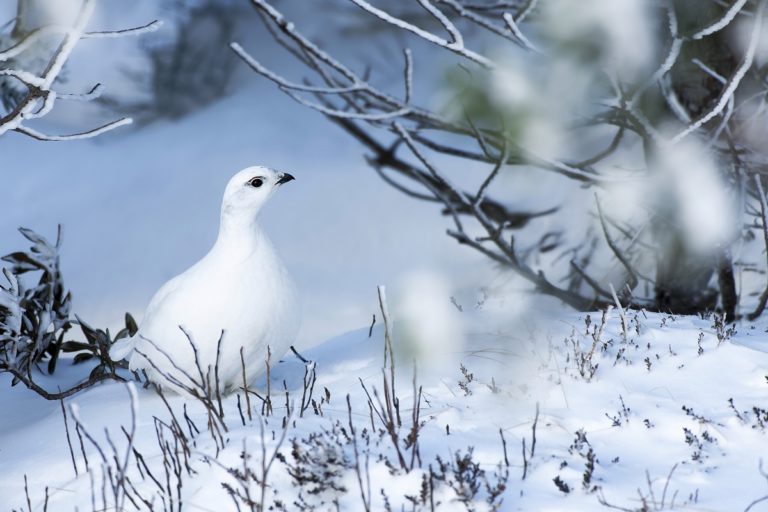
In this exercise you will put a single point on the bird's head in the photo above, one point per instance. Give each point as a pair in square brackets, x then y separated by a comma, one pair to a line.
[250, 188]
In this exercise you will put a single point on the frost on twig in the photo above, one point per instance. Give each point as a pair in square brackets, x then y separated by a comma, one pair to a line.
[30, 92]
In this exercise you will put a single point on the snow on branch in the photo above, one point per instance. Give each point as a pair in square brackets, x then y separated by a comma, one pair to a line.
[733, 81]
[456, 44]
[723, 22]
[39, 98]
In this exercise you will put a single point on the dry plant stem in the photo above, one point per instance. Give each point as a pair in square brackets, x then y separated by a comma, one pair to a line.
[113, 468]
[525, 459]
[755, 503]
[120, 479]
[649, 502]
[266, 406]
[202, 390]
[533, 431]
[504, 447]
[69, 440]
[82, 446]
[301, 358]
[527, 455]
[387, 407]
[245, 386]
[240, 409]
[382, 294]
[246, 475]
[633, 280]
[764, 498]
[586, 362]
[266, 463]
[365, 491]
[308, 386]
[216, 375]
[29, 499]
[666, 485]
[413, 436]
[622, 314]
[33, 386]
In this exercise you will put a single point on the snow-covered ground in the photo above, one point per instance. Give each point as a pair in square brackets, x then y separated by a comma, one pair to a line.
[668, 413]
[663, 413]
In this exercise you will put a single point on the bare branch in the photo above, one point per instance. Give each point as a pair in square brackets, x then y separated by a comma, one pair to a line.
[733, 81]
[723, 22]
[284, 83]
[512, 24]
[456, 38]
[456, 46]
[152, 26]
[526, 10]
[615, 249]
[75, 136]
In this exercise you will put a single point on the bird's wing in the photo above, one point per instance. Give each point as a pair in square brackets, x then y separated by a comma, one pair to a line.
[123, 349]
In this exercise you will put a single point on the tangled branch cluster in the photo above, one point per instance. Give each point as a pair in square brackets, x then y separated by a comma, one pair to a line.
[698, 86]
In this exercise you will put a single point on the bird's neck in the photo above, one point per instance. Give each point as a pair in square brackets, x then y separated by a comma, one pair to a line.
[238, 230]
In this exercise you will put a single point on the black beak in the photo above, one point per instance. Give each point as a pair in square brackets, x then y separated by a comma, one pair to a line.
[285, 178]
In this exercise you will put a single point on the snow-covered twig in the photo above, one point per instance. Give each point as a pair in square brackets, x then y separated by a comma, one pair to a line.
[39, 88]
[456, 44]
[723, 22]
[733, 82]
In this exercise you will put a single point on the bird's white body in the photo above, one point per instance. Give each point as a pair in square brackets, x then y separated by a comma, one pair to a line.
[240, 288]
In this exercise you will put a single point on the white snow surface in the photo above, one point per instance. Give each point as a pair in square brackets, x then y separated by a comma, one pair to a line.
[655, 416]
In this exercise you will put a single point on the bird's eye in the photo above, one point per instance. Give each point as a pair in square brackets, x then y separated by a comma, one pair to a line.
[256, 182]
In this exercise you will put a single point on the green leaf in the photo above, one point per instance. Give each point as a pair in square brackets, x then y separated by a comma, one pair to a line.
[97, 372]
[131, 325]
[89, 332]
[83, 356]
[23, 262]
[53, 350]
[75, 346]
[33, 237]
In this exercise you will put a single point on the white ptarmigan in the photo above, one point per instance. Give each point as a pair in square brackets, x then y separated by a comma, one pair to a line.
[240, 287]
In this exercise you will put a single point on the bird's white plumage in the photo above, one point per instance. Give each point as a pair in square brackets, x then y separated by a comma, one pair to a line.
[240, 287]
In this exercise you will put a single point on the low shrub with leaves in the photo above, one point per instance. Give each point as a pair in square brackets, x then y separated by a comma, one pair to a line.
[35, 317]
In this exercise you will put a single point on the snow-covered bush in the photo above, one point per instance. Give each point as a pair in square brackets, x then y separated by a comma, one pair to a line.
[36, 317]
